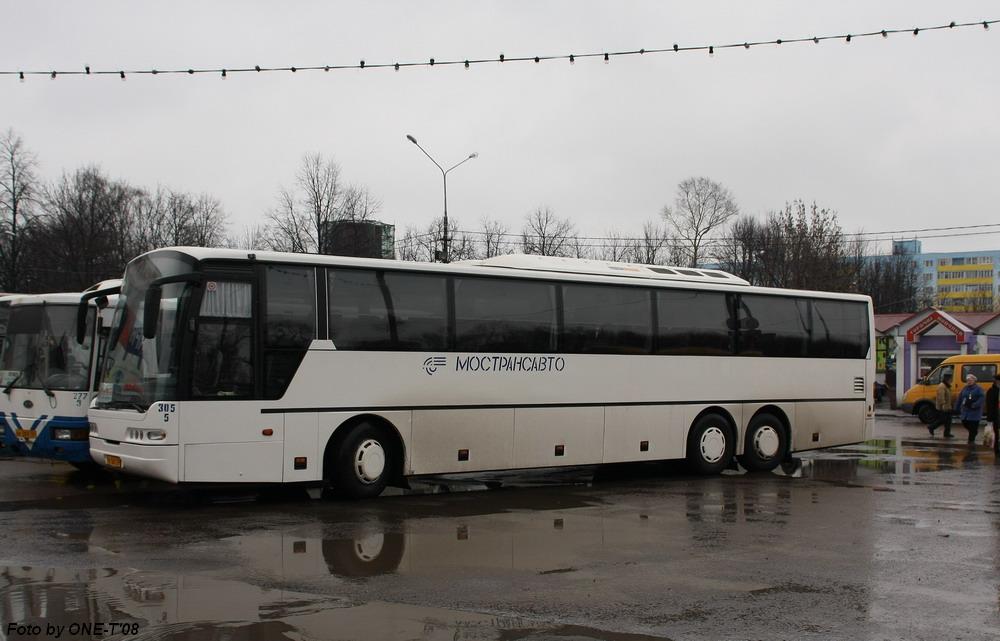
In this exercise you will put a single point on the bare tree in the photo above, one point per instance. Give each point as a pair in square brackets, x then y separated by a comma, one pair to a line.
[495, 235]
[318, 180]
[742, 253]
[652, 247]
[81, 235]
[207, 223]
[700, 207]
[358, 205]
[305, 216]
[19, 187]
[252, 236]
[460, 245]
[409, 247]
[299, 219]
[546, 234]
[616, 248]
[289, 228]
[577, 247]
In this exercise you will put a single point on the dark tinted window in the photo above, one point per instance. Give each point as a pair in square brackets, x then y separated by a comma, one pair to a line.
[291, 306]
[773, 326]
[499, 315]
[358, 315]
[419, 310]
[693, 322]
[289, 325]
[223, 346]
[839, 329]
[614, 320]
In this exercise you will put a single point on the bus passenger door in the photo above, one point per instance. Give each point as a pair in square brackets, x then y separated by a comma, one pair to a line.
[225, 436]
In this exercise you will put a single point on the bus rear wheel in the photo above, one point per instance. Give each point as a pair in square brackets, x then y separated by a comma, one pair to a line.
[710, 445]
[766, 443]
[362, 463]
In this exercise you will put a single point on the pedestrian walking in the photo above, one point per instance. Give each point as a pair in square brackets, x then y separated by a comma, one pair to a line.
[993, 411]
[970, 406]
[942, 402]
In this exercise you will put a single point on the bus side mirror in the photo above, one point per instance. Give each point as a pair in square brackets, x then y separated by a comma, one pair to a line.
[151, 311]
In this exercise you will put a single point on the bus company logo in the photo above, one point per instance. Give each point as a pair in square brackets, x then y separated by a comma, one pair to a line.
[432, 363]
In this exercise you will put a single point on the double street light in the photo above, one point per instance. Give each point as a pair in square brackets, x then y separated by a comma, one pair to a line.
[444, 175]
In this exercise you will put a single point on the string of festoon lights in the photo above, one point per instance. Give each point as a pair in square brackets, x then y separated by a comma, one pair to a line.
[223, 72]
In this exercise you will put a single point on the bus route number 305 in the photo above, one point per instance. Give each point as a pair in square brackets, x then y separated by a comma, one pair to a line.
[165, 410]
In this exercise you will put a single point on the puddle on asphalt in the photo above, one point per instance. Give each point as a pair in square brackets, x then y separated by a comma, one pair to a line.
[123, 604]
[899, 458]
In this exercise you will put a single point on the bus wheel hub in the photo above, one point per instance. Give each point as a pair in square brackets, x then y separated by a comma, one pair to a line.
[713, 445]
[369, 461]
[766, 441]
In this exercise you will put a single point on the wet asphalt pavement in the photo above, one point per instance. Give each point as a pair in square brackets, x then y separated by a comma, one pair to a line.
[898, 538]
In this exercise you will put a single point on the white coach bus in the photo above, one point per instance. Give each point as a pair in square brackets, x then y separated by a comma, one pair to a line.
[229, 366]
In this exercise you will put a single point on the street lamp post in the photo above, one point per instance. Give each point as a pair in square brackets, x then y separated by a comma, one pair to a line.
[444, 176]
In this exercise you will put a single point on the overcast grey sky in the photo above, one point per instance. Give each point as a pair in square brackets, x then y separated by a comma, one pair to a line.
[892, 134]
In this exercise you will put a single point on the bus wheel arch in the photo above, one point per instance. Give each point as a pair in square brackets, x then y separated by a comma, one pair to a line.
[711, 441]
[767, 440]
[360, 434]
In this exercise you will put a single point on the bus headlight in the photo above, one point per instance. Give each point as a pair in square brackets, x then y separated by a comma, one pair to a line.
[67, 434]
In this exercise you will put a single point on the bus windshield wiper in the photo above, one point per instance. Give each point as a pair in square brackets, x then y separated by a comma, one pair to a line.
[7, 388]
[45, 388]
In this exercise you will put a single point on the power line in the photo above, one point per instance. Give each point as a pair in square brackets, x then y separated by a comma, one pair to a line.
[876, 235]
[223, 72]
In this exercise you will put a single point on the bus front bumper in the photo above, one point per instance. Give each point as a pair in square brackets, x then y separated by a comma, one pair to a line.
[152, 461]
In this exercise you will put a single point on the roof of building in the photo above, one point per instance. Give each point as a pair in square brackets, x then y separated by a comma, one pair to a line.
[972, 320]
[885, 322]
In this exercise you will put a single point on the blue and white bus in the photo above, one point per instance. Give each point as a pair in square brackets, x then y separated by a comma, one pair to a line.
[48, 376]
[262, 367]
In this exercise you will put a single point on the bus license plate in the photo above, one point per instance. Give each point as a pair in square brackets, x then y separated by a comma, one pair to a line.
[113, 461]
[26, 434]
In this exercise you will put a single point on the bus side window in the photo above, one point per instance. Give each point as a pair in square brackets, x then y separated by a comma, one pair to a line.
[419, 310]
[359, 318]
[223, 348]
[609, 320]
[693, 323]
[773, 326]
[289, 324]
[839, 329]
[504, 315]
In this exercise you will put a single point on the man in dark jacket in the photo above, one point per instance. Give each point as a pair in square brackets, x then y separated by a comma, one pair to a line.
[992, 413]
[970, 406]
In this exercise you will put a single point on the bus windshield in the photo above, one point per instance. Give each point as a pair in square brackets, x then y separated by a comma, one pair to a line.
[138, 371]
[40, 349]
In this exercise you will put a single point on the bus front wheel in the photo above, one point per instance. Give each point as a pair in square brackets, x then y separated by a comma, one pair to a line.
[710, 445]
[362, 463]
[766, 443]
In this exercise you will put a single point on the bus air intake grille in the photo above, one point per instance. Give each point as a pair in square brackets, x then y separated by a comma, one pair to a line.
[859, 385]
